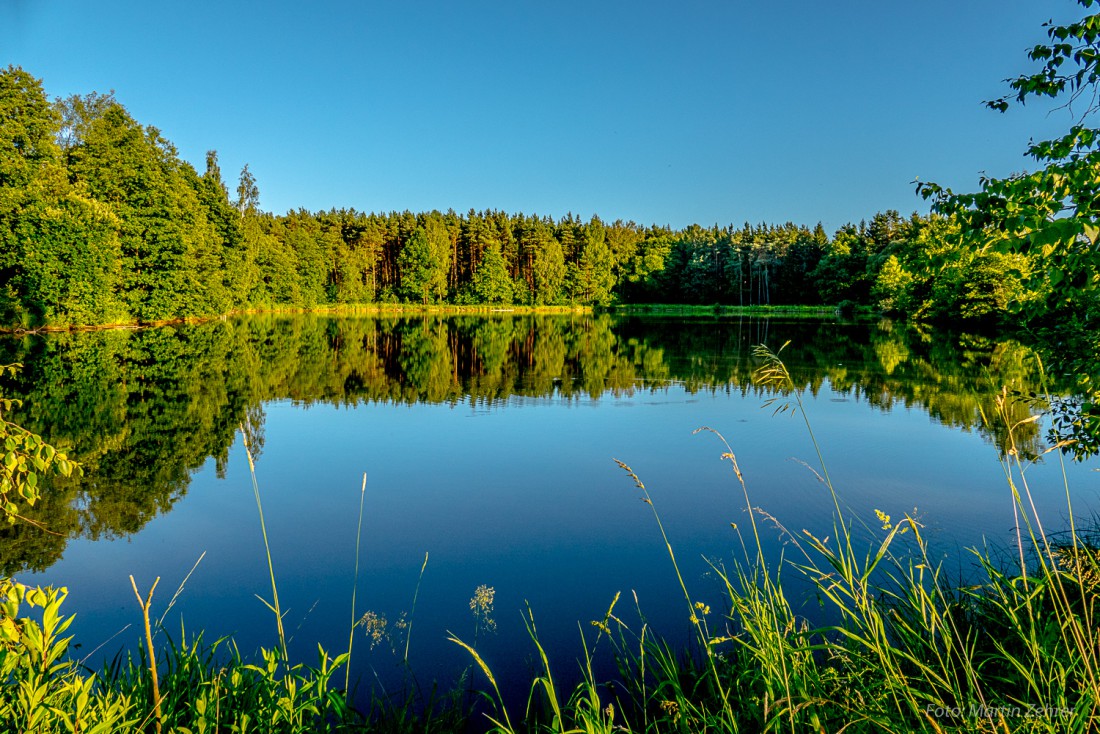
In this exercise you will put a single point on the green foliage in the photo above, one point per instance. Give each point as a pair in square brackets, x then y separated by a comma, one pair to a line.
[893, 289]
[59, 247]
[547, 263]
[41, 690]
[27, 127]
[68, 262]
[641, 271]
[109, 225]
[988, 285]
[26, 459]
[276, 262]
[491, 283]
[1051, 215]
[204, 688]
[248, 192]
[170, 262]
[591, 277]
[842, 273]
[311, 242]
[1047, 220]
[423, 266]
[237, 255]
[102, 222]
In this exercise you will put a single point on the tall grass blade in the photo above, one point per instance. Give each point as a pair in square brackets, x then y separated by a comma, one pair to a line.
[355, 585]
[274, 605]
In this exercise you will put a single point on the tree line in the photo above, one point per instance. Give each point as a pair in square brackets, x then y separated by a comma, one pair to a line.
[102, 222]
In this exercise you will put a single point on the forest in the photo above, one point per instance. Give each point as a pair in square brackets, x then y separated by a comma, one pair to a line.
[102, 222]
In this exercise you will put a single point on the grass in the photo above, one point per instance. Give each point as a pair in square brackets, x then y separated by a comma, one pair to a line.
[338, 309]
[764, 310]
[416, 309]
[1014, 649]
[445, 309]
[192, 686]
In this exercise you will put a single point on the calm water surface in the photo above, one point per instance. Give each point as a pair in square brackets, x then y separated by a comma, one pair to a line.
[488, 444]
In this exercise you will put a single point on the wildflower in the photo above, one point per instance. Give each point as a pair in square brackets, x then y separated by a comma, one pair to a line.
[375, 625]
[481, 604]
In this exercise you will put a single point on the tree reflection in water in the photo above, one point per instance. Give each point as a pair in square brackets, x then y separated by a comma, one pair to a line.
[143, 409]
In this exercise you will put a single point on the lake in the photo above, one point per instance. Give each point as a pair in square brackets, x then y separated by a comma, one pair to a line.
[488, 444]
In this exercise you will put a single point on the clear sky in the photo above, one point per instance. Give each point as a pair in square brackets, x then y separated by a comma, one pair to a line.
[656, 111]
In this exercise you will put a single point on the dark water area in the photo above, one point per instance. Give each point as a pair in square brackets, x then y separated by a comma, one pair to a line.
[489, 445]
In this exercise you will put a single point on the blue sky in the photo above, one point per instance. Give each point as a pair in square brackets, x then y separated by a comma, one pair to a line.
[659, 112]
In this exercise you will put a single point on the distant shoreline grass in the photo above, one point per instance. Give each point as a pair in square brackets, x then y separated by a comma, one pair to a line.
[427, 308]
[342, 309]
[445, 309]
[677, 309]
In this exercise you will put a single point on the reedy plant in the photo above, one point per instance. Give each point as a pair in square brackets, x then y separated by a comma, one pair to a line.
[355, 583]
[718, 712]
[211, 688]
[582, 712]
[933, 648]
[1016, 650]
[306, 698]
[273, 605]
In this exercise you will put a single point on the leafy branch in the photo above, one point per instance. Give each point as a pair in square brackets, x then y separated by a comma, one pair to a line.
[26, 459]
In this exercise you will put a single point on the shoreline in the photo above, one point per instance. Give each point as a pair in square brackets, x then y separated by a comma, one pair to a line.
[650, 309]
